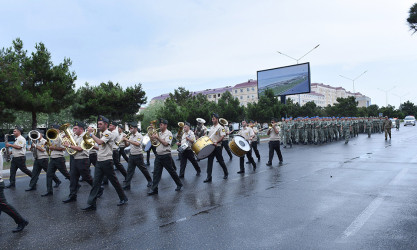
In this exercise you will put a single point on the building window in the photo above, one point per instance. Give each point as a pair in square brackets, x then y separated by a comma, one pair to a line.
[241, 97]
[241, 90]
[235, 91]
[248, 96]
[253, 88]
[247, 89]
[218, 95]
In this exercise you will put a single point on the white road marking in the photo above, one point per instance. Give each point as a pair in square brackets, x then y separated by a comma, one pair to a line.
[362, 218]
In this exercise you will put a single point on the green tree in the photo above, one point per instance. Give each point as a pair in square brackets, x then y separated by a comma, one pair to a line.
[151, 112]
[267, 107]
[373, 110]
[110, 100]
[229, 108]
[37, 85]
[412, 18]
[408, 108]
[345, 107]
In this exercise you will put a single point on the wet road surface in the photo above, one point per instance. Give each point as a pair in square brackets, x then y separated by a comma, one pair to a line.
[333, 196]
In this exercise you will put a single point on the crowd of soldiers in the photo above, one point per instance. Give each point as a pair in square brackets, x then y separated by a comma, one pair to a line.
[319, 130]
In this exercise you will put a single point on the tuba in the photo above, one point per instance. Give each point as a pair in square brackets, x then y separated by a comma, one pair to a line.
[180, 131]
[34, 137]
[152, 131]
[66, 136]
[223, 122]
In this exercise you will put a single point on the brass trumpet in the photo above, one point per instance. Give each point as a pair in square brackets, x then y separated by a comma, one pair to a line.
[127, 137]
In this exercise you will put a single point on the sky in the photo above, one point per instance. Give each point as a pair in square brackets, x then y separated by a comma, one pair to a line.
[209, 44]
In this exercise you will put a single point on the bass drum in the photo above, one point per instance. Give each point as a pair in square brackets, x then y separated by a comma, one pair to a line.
[203, 147]
[239, 146]
[146, 143]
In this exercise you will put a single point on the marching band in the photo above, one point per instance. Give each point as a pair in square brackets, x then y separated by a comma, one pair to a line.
[100, 147]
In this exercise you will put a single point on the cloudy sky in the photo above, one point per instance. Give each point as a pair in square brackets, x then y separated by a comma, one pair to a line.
[207, 44]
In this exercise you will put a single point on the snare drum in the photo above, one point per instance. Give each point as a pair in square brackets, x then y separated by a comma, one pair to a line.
[182, 148]
[203, 147]
[239, 146]
[146, 143]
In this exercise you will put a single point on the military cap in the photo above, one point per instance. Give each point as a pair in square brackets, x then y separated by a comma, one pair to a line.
[215, 115]
[55, 126]
[164, 121]
[103, 119]
[187, 123]
[133, 124]
[19, 128]
[113, 123]
[79, 124]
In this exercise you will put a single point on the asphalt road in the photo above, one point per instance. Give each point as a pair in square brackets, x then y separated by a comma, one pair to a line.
[333, 196]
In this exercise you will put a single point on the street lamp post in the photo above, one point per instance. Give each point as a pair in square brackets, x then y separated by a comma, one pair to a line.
[353, 80]
[400, 96]
[386, 94]
[297, 60]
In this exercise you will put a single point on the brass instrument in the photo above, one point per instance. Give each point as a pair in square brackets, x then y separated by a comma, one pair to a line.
[64, 134]
[128, 134]
[6, 150]
[88, 142]
[199, 131]
[152, 131]
[34, 137]
[223, 122]
[180, 131]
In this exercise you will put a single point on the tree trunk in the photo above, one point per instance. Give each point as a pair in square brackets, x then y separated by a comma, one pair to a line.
[34, 120]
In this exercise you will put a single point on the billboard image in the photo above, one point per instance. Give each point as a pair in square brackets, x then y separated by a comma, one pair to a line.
[288, 80]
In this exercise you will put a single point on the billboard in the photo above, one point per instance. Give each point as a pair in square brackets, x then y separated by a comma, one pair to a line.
[288, 80]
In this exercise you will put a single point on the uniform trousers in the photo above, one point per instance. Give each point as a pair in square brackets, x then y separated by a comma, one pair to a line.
[38, 165]
[54, 164]
[250, 158]
[148, 153]
[123, 153]
[387, 132]
[7, 208]
[161, 162]
[93, 159]
[218, 154]
[255, 149]
[118, 165]
[188, 154]
[80, 167]
[18, 163]
[136, 161]
[274, 146]
[225, 145]
[104, 168]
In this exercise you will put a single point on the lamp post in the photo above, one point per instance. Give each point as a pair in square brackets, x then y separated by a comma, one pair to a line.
[353, 80]
[386, 94]
[297, 60]
[400, 96]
